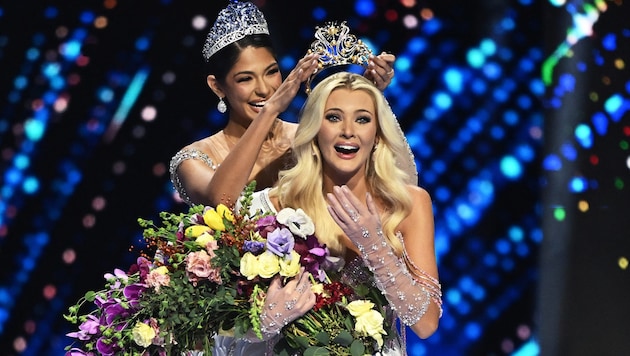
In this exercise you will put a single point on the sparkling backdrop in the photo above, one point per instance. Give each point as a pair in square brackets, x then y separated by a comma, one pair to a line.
[98, 95]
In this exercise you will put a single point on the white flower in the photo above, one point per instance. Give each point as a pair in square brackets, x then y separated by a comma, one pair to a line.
[297, 221]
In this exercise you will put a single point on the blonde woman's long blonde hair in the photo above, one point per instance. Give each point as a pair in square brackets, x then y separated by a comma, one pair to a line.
[302, 185]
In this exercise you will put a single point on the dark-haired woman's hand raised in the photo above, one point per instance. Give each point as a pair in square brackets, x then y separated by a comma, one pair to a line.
[380, 70]
[286, 92]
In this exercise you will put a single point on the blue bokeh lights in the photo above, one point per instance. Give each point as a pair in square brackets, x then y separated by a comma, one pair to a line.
[468, 103]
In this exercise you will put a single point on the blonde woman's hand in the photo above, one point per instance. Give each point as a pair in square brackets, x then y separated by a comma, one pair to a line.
[285, 303]
[360, 222]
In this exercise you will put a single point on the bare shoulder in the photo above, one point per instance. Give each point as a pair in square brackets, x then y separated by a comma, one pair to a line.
[289, 125]
[288, 129]
[203, 144]
[421, 213]
[201, 155]
[419, 195]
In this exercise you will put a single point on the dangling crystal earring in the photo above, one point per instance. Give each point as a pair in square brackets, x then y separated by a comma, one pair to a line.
[221, 106]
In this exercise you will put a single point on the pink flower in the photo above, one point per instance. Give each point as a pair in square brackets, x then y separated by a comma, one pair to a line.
[199, 267]
[211, 247]
[158, 277]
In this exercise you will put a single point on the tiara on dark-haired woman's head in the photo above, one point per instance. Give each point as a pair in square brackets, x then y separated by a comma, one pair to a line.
[337, 47]
[237, 20]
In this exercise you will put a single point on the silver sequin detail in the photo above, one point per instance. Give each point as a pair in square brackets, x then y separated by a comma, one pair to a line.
[180, 157]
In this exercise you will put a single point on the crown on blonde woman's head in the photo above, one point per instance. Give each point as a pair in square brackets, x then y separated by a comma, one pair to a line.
[336, 46]
[237, 20]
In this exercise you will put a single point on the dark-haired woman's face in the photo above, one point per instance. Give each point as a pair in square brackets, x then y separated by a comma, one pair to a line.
[251, 81]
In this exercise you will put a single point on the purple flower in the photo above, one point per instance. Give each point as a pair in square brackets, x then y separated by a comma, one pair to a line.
[119, 275]
[107, 347]
[280, 242]
[197, 219]
[144, 266]
[132, 293]
[115, 312]
[313, 255]
[78, 352]
[255, 247]
[90, 326]
[180, 232]
[266, 225]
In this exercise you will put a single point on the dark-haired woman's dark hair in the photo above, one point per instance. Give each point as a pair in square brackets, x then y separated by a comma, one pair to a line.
[221, 62]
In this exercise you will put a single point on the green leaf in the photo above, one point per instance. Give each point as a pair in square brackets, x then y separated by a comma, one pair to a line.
[362, 290]
[349, 322]
[302, 341]
[90, 296]
[357, 348]
[316, 351]
[344, 338]
[323, 338]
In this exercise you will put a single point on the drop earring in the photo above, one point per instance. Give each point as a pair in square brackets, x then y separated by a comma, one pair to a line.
[221, 106]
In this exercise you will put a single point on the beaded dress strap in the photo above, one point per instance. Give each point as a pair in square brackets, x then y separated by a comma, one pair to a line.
[181, 156]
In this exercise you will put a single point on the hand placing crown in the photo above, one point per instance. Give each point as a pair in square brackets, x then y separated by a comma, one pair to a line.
[336, 46]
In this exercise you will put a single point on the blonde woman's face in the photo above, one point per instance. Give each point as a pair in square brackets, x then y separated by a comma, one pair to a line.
[251, 81]
[348, 134]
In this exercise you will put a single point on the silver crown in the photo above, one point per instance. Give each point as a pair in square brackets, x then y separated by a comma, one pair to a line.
[237, 20]
[335, 46]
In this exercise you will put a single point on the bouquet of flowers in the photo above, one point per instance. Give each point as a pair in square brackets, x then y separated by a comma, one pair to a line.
[345, 321]
[209, 276]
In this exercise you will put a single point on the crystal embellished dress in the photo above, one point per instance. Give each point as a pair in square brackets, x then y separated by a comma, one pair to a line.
[274, 156]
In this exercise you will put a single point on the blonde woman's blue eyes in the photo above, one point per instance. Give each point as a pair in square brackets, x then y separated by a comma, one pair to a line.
[360, 120]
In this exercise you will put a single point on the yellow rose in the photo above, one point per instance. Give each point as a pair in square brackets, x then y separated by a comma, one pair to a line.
[359, 307]
[143, 334]
[161, 270]
[225, 212]
[290, 268]
[371, 323]
[249, 265]
[194, 231]
[203, 239]
[214, 220]
[268, 264]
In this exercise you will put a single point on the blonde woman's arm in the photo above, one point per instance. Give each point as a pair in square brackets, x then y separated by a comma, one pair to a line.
[409, 282]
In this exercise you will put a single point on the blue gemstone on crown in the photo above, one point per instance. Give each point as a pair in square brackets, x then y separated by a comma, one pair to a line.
[237, 20]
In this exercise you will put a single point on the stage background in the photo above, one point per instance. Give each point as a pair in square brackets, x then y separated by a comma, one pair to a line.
[517, 112]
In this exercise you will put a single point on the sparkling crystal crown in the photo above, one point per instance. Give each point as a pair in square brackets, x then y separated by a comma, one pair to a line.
[336, 46]
[237, 20]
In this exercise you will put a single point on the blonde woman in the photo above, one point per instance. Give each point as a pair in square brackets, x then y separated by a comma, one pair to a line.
[347, 144]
